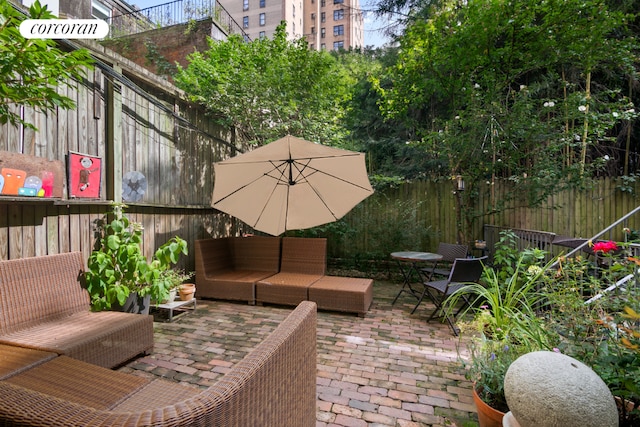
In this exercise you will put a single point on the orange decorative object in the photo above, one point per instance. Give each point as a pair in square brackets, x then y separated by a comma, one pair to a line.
[13, 180]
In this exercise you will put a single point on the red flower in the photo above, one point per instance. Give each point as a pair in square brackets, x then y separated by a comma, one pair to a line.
[605, 247]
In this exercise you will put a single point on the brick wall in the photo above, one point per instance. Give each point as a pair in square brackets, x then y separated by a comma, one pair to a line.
[159, 50]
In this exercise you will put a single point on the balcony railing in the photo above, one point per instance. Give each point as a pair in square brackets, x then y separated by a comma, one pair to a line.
[173, 13]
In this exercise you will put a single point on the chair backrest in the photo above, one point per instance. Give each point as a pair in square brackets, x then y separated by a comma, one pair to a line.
[304, 255]
[450, 252]
[467, 270]
[257, 253]
[34, 290]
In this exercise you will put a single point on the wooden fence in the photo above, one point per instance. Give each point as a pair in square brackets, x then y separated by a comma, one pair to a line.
[133, 121]
[418, 215]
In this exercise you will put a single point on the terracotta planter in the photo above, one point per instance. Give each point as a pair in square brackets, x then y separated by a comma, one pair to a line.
[487, 416]
[187, 290]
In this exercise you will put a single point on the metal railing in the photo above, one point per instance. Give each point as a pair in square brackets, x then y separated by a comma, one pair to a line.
[173, 13]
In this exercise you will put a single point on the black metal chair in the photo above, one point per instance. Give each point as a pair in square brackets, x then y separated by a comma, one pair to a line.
[450, 252]
[463, 272]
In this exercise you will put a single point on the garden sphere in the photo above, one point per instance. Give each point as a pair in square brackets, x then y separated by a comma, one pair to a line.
[549, 389]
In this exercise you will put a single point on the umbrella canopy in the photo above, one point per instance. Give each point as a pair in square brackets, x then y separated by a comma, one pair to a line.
[290, 184]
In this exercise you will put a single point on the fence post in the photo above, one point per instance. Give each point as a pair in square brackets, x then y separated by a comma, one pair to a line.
[114, 139]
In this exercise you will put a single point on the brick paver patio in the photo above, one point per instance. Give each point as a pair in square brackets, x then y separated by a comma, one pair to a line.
[389, 368]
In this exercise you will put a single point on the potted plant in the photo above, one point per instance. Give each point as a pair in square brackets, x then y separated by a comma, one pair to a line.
[169, 280]
[118, 274]
[504, 324]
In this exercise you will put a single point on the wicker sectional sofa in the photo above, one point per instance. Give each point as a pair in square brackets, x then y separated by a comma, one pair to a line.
[274, 385]
[43, 306]
[276, 270]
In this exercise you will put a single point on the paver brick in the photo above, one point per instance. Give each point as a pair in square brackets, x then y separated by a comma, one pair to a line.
[388, 369]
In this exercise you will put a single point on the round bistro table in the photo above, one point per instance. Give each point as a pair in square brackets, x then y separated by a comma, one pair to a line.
[408, 262]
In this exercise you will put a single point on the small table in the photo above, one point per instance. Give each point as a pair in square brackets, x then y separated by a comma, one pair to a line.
[178, 304]
[412, 259]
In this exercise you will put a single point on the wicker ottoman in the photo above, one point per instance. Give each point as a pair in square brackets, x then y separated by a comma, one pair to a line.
[350, 294]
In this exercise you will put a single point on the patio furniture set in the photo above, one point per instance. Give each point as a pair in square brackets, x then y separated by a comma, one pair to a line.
[275, 270]
[55, 357]
[449, 271]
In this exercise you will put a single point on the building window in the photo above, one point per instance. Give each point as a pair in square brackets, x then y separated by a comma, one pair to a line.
[323, 46]
[312, 46]
[313, 30]
[338, 1]
[323, 17]
[294, 10]
[323, 33]
[245, 4]
[338, 30]
[313, 17]
[263, 19]
[293, 28]
[262, 35]
[245, 22]
[322, 3]
[338, 45]
[338, 14]
[263, 4]
[99, 10]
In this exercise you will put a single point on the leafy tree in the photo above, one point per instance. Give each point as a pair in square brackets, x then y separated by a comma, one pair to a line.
[30, 69]
[504, 89]
[269, 87]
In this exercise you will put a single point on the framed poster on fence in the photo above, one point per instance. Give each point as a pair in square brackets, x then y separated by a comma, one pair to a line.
[85, 172]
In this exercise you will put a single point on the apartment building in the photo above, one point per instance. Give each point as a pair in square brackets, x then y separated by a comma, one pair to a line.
[334, 24]
[326, 24]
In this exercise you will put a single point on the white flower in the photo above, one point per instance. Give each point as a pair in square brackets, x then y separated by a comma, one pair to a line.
[615, 114]
[408, 142]
[606, 157]
[476, 86]
[457, 117]
[576, 137]
[582, 108]
[534, 269]
[523, 87]
[549, 104]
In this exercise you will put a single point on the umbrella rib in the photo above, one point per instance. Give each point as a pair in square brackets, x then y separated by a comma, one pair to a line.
[242, 187]
[300, 173]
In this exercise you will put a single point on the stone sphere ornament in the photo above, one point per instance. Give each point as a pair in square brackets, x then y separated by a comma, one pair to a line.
[548, 389]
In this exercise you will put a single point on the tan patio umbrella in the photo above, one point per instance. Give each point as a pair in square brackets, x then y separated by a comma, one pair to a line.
[290, 184]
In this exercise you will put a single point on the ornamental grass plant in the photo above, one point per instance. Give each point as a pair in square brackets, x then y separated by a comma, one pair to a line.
[504, 324]
[586, 308]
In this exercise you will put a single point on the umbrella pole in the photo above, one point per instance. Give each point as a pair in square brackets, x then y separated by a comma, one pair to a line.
[291, 181]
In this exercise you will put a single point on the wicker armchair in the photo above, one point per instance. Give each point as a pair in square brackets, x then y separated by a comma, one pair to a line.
[273, 386]
[304, 261]
[44, 306]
